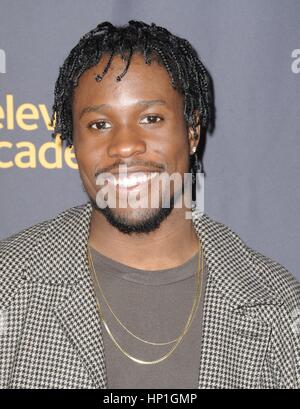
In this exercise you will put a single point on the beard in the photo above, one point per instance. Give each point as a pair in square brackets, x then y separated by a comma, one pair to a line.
[145, 221]
[139, 220]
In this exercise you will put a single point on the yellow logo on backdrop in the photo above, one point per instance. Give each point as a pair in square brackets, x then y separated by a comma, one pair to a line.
[25, 154]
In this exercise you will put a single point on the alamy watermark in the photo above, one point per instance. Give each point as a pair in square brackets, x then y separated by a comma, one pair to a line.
[295, 66]
[2, 62]
[296, 320]
[136, 190]
[3, 322]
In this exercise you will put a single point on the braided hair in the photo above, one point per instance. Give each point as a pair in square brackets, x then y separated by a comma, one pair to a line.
[187, 73]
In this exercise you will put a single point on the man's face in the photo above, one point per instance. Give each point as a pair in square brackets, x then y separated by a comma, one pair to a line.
[137, 122]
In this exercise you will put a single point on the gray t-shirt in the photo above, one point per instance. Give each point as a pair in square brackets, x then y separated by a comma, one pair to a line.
[155, 306]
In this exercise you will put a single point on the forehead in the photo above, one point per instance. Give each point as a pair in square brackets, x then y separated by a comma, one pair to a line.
[141, 81]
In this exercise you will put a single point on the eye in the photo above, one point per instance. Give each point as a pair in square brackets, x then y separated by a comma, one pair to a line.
[100, 125]
[151, 119]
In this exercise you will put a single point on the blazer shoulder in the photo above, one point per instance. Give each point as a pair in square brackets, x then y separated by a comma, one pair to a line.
[272, 274]
[16, 246]
[16, 249]
[22, 239]
[277, 277]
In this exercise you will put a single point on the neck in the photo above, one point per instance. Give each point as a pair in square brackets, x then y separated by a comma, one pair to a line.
[173, 243]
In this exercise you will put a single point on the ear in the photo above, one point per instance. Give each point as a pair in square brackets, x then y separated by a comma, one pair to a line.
[194, 139]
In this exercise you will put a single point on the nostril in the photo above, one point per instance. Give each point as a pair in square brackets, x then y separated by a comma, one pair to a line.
[126, 148]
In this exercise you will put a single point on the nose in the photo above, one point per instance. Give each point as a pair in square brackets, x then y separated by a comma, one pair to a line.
[125, 143]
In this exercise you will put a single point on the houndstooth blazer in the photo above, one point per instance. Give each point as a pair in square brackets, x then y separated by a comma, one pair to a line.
[51, 334]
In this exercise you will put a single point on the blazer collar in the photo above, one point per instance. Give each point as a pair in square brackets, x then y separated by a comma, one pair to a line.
[230, 262]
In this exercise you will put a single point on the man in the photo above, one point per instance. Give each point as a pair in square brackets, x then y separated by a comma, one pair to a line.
[140, 297]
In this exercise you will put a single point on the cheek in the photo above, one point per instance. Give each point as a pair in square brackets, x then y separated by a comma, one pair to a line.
[179, 150]
[182, 159]
[87, 156]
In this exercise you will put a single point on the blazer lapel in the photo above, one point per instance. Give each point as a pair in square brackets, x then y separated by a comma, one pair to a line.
[235, 333]
[233, 345]
[79, 318]
[60, 259]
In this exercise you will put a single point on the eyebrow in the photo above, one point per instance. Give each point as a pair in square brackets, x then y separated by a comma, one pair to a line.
[98, 108]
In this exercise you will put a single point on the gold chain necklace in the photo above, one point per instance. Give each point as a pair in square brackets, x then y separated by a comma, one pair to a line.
[178, 340]
[140, 339]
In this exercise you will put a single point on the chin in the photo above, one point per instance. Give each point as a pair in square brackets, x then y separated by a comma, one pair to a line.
[137, 221]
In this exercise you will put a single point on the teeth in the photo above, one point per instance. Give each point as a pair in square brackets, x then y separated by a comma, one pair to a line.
[132, 180]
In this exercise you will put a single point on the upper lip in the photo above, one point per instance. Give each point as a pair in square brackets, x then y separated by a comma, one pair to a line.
[134, 169]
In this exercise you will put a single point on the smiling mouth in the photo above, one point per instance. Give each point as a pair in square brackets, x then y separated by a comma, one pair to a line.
[131, 181]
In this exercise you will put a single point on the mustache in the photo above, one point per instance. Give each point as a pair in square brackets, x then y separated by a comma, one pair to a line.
[136, 162]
